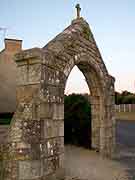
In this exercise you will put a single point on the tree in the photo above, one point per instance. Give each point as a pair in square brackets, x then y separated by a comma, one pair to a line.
[125, 97]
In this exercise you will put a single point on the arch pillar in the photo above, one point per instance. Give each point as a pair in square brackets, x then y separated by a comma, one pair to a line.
[95, 120]
[108, 125]
[102, 111]
[35, 148]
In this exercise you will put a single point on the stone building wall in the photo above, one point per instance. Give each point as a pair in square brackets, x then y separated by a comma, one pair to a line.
[8, 71]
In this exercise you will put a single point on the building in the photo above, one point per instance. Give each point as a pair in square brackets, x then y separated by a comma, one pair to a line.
[8, 75]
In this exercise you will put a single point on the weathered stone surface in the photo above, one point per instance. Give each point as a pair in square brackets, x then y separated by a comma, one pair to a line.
[36, 136]
[10, 170]
[46, 110]
[29, 170]
[51, 128]
[58, 111]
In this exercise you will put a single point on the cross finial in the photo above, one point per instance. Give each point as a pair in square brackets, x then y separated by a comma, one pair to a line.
[78, 10]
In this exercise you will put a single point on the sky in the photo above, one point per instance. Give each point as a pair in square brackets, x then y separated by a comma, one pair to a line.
[112, 23]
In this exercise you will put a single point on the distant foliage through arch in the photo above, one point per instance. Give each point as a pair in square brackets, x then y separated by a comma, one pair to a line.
[77, 120]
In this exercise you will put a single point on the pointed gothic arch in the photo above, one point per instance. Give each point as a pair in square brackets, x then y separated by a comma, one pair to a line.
[36, 137]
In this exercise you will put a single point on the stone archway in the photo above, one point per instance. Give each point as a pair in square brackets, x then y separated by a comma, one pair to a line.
[95, 84]
[35, 148]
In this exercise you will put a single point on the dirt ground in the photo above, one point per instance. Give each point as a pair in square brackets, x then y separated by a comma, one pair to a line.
[88, 165]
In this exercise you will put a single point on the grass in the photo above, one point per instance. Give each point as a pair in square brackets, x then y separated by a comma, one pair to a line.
[125, 116]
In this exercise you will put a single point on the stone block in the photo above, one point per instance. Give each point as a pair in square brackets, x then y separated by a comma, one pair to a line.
[10, 170]
[46, 110]
[58, 111]
[58, 145]
[29, 169]
[26, 93]
[28, 74]
[34, 73]
[52, 76]
[31, 131]
[22, 75]
[50, 165]
[52, 94]
[50, 147]
[44, 150]
[52, 128]
[56, 91]
[49, 129]
[61, 128]
[16, 134]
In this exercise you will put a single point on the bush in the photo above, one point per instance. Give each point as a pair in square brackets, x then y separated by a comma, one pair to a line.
[77, 120]
[124, 98]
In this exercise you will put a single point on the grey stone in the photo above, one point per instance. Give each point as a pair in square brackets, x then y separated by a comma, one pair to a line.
[29, 170]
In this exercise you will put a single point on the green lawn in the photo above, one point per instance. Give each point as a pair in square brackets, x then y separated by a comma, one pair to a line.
[126, 116]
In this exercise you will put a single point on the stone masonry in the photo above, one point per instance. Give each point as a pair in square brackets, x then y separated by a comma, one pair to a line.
[35, 148]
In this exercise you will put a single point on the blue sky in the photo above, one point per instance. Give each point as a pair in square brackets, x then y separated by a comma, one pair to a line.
[112, 23]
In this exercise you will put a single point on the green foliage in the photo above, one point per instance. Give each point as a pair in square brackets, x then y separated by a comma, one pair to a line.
[87, 33]
[5, 118]
[77, 120]
[124, 98]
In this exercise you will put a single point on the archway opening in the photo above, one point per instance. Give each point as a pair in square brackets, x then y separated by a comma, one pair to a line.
[77, 111]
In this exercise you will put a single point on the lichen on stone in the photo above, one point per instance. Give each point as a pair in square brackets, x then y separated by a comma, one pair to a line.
[87, 33]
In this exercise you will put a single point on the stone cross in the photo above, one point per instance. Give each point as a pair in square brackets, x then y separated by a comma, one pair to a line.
[78, 10]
